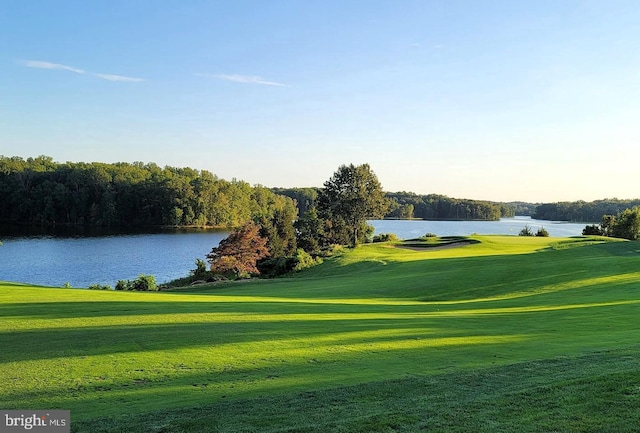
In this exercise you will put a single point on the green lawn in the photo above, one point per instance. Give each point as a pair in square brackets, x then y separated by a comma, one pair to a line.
[507, 334]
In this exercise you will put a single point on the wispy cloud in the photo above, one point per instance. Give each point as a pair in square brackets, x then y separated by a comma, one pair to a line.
[48, 65]
[111, 77]
[245, 79]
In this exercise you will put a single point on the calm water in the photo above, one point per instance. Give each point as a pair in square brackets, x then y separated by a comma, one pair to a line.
[81, 261]
[54, 260]
[506, 226]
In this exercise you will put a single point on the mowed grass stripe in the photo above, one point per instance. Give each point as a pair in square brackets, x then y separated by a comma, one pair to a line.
[590, 393]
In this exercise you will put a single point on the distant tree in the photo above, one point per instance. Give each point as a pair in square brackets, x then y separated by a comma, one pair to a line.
[542, 232]
[526, 231]
[351, 196]
[305, 197]
[405, 211]
[507, 211]
[238, 253]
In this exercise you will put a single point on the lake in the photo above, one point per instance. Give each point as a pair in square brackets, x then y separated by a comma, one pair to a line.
[83, 260]
[54, 259]
[408, 229]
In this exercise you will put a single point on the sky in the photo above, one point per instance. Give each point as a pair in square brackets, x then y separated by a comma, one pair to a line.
[534, 101]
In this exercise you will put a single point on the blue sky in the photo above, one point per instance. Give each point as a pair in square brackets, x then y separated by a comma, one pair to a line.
[498, 100]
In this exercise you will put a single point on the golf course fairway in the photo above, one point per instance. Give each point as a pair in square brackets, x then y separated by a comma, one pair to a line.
[502, 334]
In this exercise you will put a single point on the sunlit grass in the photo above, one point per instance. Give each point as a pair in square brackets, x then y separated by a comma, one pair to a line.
[365, 317]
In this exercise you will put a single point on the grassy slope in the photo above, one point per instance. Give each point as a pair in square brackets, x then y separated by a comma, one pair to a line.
[526, 334]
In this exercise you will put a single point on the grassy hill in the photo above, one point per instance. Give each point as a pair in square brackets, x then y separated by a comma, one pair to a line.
[505, 334]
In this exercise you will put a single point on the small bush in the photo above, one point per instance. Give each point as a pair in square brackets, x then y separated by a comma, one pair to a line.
[144, 283]
[278, 266]
[594, 229]
[201, 268]
[305, 260]
[542, 232]
[385, 237]
[123, 285]
[233, 276]
[526, 231]
[200, 273]
[431, 238]
[99, 287]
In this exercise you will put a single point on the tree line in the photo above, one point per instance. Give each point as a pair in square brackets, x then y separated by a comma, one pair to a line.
[41, 191]
[408, 205]
[582, 211]
[436, 207]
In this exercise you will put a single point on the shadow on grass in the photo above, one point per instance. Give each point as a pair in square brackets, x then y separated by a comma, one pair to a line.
[359, 358]
[300, 324]
[351, 328]
[246, 321]
[594, 392]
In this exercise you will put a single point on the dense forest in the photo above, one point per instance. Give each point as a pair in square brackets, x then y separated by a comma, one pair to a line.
[435, 207]
[406, 205]
[41, 191]
[581, 211]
